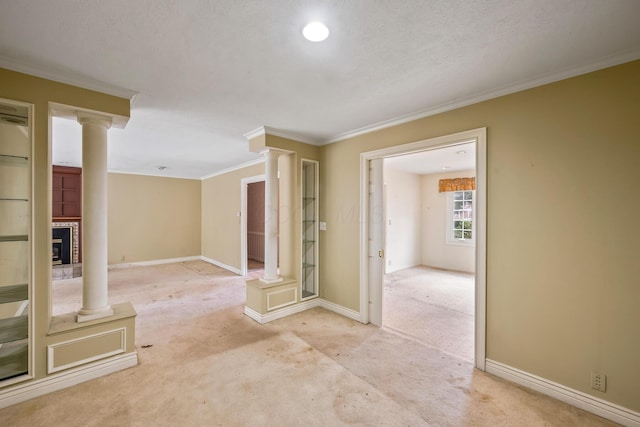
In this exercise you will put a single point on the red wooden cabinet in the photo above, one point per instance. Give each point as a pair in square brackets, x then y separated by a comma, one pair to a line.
[67, 192]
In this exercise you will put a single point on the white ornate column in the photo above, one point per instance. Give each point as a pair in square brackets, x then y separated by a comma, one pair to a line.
[95, 302]
[271, 218]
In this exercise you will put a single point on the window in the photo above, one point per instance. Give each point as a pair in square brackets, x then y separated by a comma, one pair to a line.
[460, 217]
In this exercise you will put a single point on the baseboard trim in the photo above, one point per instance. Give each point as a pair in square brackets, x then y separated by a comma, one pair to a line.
[174, 260]
[23, 392]
[343, 311]
[154, 262]
[220, 264]
[565, 394]
[298, 308]
[253, 314]
[283, 312]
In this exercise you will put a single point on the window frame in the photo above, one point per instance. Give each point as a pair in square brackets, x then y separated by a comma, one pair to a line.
[449, 230]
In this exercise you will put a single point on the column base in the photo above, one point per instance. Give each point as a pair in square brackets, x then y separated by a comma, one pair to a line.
[270, 280]
[87, 315]
[266, 297]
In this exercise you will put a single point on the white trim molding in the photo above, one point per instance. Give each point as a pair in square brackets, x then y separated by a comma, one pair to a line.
[23, 392]
[175, 260]
[479, 136]
[491, 94]
[267, 130]
[51, 350]
[343, 311]
[66, 77]
[234, 168]
[298, 308]
[576, 398]
[220, 264]
[279, 314]
[284, 304]
[154, 262]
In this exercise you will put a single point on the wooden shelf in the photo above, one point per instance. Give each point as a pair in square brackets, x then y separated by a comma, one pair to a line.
[13, 293]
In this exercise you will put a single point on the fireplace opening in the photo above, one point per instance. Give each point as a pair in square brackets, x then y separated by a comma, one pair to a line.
[61, 249]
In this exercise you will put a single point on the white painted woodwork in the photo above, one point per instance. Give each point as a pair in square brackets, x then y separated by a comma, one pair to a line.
[271, 218]
[376, 241]
[95, 302]
[371, 284]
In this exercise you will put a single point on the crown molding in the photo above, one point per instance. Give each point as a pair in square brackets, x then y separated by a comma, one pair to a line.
[267, 130]
[255, 133]
[67, 78]
[609, 61]
[291, 135]
[76, 113]
[149, 174]
[233, 168]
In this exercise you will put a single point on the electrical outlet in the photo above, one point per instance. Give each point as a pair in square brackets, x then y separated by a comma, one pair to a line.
[598, 381]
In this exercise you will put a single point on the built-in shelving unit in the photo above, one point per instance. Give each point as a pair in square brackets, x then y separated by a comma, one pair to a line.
[15, 240]
[309, 280]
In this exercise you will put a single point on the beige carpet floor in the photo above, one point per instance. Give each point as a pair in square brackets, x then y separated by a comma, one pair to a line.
[434, 306]
[206, 364]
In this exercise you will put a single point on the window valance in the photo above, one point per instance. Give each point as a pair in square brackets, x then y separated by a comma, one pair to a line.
[457, 184]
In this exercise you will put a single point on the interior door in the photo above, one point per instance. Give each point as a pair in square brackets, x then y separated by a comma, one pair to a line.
[376, 241]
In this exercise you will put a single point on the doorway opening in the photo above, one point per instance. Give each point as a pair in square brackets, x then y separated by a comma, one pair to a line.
[374, 224]
[429, 256]
[252, 226]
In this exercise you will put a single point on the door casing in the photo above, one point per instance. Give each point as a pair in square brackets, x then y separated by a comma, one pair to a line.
[371, 284]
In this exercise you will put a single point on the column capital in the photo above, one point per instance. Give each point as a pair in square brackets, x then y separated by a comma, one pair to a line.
[272, 152]
[85, 118]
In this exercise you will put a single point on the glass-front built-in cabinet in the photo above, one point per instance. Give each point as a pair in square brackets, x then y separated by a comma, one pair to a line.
[15, 239]
[310, 212]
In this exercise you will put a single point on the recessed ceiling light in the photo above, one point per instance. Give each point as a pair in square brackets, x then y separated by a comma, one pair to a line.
[161, 168]
[446, 167]
[461, 152]
[315, 32]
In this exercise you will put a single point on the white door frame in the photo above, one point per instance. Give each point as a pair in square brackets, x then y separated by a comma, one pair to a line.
[243, 219]
[479, 136]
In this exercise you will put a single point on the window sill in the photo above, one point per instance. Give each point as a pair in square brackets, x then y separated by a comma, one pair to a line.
[467, 243]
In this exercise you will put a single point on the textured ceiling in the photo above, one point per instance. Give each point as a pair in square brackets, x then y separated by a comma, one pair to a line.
[207, 72]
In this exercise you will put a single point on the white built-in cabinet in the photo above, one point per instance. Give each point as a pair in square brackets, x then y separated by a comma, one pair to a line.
[309, 281]
[15, 240]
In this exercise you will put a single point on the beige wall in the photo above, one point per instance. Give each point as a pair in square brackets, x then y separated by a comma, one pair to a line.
[436, 252]
[403, 226]
[562, 273]
[152, 218]
[220, 220]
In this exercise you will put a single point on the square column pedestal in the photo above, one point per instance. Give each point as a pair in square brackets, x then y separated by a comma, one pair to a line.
[266, 298]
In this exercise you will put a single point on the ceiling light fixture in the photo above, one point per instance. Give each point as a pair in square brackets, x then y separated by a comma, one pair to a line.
[461, 152]
[446, 167]
[315, 32]
[161, 168]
